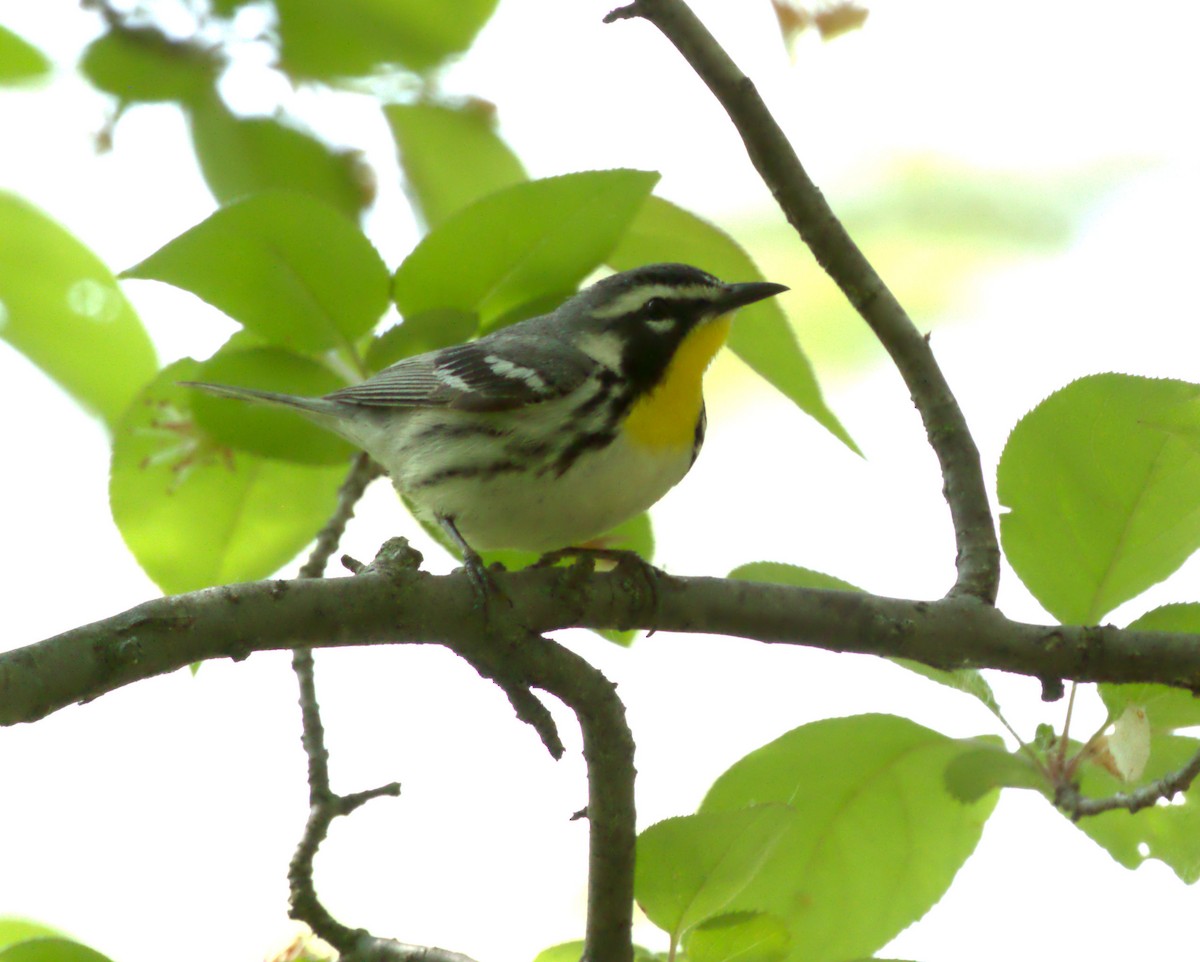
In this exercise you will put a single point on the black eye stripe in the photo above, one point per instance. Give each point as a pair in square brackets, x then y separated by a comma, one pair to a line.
[661, 307]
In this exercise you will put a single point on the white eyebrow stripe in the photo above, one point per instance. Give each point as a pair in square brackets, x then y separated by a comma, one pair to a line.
[631, 300]
[502, 367]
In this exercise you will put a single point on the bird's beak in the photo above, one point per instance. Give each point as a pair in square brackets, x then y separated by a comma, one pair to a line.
[739, 295]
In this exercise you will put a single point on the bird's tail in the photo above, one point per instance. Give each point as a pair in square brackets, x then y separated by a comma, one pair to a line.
[313, 406]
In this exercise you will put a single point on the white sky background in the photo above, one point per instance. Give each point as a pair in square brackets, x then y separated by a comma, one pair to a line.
[159, 819]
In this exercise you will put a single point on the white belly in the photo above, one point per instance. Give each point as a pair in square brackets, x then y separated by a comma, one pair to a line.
[597, 493]
[524, 510]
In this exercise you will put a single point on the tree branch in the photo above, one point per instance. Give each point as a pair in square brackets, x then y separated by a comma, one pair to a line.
[1077, 806]
[807, 210]
[414, 607]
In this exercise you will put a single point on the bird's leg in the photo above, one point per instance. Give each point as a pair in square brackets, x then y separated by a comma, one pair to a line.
[481, 578]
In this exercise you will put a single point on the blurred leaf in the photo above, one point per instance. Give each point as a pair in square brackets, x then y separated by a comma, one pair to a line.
[196, 516]
[142, 65]
[967, 680]
[520, 242]
[636, 535]
[357, 36]
[980, 770]
[878, 839]
[542, 303]
[761, 335]
[1101, 504]
[934, 229]
[266, 431]
[838, 18]
[1166, 708]
[419, 334]
[13, 930]
[633, 535]
[573, 952]
[427, 134]
[20, 61]
[689, 869]
[738, 937]
[779, 573]
[564, 952]
[50, 949]
[240, 156]
[989, 210]
[1168, 832]
[61, 308]
[287, 266]
[1182, 421]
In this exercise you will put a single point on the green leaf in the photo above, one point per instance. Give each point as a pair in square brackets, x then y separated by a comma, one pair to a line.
[1168, 832]
[13, 930]
[636, 535]
[1102, 505]
[982, 769]
[779, 573]
[738, 937]
[520, 242]
[357, 36]
[266, 431]
[690, 869]
[285, 265]
[573, 952]
[62, 309]
[419, 334]
[196, 516]
[1166, 708]
[50, 949]
[1181, 421]
[20, 60]
[427, 134]
[240, 156]
[142, 65]
[967, 680]
[877, 840]
[761, 335]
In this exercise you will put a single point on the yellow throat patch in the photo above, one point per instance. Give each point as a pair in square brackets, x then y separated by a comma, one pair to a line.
[666, 417]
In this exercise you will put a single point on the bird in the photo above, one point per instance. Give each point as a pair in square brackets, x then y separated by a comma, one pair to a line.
[545, 434]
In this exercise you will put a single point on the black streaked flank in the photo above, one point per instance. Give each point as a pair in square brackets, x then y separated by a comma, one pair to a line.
[701, 426]
[481, 471]
[442, 430]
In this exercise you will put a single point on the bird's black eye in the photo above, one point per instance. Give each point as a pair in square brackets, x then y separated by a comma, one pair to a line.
[654, 306]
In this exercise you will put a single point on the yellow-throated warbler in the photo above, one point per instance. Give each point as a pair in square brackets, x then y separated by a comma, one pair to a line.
[552, 431]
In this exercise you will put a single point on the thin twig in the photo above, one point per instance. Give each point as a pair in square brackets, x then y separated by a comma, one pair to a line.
[362, 472]
[1070, 801]
[324, 804]
[806, 209]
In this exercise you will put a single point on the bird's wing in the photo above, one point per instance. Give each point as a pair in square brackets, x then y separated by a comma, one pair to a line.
[491, 374]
